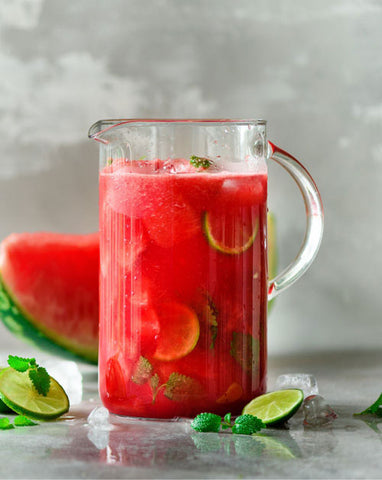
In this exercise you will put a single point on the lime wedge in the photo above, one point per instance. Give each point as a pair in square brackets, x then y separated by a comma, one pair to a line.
[275, 407]
[19, 394]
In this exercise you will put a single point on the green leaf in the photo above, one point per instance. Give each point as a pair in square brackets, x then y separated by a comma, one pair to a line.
[142, 371]
[23, 421]
[40, 379]
[5, 424]
[245, 350]
[227, 417]
[19, 363]
[374, 409]
[247, 424]
[180, 387]
[206, 422]
[200, 162]
[211, 314]
[154, 382]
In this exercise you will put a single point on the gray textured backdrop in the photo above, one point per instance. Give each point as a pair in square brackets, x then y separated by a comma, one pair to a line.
[312, 69]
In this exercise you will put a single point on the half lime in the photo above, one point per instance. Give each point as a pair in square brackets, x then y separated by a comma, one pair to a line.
[19, 394]
[275, 407]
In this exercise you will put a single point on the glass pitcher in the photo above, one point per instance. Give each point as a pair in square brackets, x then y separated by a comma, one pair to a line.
[184, 282]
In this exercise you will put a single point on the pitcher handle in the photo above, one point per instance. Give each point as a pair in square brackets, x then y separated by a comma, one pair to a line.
[314, 221]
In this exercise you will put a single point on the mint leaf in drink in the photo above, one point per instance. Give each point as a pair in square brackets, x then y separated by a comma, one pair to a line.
[180, 387]
[211, 314]
[19, 363]
[40, 379]
[23, 421]
[374, 409]
[200, 162]
[5, 424]
[142, 371]
[245, 350]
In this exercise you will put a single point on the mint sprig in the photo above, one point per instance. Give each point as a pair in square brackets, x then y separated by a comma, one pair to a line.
[244, 424]
[19, 421]
[200, 162]
[38, 375]
[19, 363]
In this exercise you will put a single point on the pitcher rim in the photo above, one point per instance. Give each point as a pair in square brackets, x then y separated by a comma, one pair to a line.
[102, 126]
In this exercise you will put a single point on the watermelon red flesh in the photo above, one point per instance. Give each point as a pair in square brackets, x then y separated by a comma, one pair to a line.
[53, 279]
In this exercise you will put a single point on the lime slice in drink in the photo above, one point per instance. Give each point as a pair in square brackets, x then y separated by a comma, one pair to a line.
[179, 331]
[230, 232]
[19, 394]
[275, 407]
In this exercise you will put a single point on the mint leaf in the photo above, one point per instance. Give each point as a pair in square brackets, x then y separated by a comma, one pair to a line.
[142, 372]
[245, 350]
[19, 363]
[226, 423]
[227, 418]
[180, 387]
[38, 375]
[247, 424]
[200, 162]
[206, 422]
[374, 409]
[23, 421]
[211, 314]
[40, 379]
[154, 381]
[5, 424]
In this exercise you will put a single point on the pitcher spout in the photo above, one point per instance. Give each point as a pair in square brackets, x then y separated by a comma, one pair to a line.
[101, 130]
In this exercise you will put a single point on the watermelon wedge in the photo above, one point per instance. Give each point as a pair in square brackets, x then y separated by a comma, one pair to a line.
[49, 291]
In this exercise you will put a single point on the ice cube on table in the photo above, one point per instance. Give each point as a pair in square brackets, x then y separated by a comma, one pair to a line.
[304, 381]
[99, 438]
[317, 412]
[99, 418]
[68, 375]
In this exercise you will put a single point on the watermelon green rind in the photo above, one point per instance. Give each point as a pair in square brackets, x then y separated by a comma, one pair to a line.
[25, 327]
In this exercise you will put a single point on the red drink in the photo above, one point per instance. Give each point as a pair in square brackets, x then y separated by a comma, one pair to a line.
[183, 288]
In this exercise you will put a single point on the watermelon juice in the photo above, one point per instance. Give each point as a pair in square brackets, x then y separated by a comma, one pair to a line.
[183, 288]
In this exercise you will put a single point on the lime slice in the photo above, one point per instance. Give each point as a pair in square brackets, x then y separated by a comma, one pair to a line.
[275, 407]
[19, 394]
[179, 331]
[230, 232]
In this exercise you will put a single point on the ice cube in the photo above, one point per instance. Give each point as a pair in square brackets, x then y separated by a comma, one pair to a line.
[317, 412]
[99, 418]
[68, 375]
[304, 381]
[178, 165]
[99, 438]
